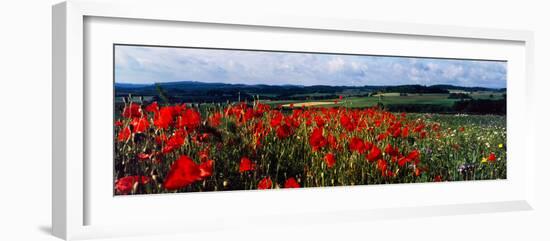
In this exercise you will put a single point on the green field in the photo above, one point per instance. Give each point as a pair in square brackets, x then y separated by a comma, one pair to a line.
[393, 99]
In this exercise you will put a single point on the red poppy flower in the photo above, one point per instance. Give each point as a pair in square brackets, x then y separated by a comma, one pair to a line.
[320, 121]
[163, 118]
[402, 161]
[388, 173]
[332, 141]
[246, 165]
[132, 110]
[317, 140]
[153, 107]
[161, 139]
[248, 114]
[392, 151]
[265, 183]
[205, 168]
[374, 154]
[262, 108]
[330, 160]
[438, 178]
[118, 123]
[175, 141]
[125, 185]
[201, 137]
[144, 156]
[382, 165]
[189, 119]
[356, 144]
[368, 145]
[276, 119]
[140, 125]
[124, 134]
[215, 120]
[291, 183]
[381, 137]
[204, 154]
[405, 132]
[396, 133]
[183, 172]
[284, 131]
[417, 172]
[347, 122]
[492, 157]
[414, 155]
[419, 128]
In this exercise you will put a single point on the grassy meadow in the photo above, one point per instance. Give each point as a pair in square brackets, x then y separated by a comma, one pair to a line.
[264, 144]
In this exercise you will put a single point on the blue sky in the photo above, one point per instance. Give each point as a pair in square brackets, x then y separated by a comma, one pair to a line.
[138, 64]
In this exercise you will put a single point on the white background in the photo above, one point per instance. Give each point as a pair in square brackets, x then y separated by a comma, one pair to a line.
[102, 33]
[25, 150]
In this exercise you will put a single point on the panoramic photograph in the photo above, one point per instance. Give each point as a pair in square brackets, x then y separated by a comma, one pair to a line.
[203, 119]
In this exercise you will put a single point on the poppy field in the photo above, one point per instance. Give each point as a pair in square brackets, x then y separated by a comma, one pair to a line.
[248, 145]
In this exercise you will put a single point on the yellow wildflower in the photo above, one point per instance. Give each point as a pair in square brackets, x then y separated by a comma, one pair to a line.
[500, 145]
[483, 160]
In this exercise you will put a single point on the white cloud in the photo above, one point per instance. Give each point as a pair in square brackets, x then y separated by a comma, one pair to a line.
[336, 64]
[453, 71]
[156, 64]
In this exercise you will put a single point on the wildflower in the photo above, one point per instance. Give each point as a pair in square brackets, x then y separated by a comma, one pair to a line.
[132, 110]
[276, 119]
[183, 172]
[174, 142]
[144, 156]
[153, 107]
[215, 119]
[189, 119]
[357, 145]
[125, 185]
[492, 157]
[125, 134]
[317, 140]
[205, 168]
[246, 165]
[265, 183]
[283, 131]
[392, 151]
[374, 154]
[163, 118]
[139, 125]
[332, 141]
[382, 165]
[291, 183]
[330, 160]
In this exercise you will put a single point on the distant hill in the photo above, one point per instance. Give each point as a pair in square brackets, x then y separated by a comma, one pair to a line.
[193, 91]
[469, 89]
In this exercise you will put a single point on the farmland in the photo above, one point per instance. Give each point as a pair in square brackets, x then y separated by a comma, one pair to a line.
[408, 98]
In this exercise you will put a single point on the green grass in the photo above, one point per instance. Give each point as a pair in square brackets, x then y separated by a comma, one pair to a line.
[395, 99]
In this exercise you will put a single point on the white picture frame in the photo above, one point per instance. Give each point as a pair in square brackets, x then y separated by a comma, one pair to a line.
[72, 194]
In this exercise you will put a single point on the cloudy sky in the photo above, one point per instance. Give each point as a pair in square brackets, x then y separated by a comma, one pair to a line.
[137, 64]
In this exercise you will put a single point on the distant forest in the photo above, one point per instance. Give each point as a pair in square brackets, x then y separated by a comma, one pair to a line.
[199, 92]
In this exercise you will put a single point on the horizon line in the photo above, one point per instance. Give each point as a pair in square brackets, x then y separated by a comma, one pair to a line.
[354, 86]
